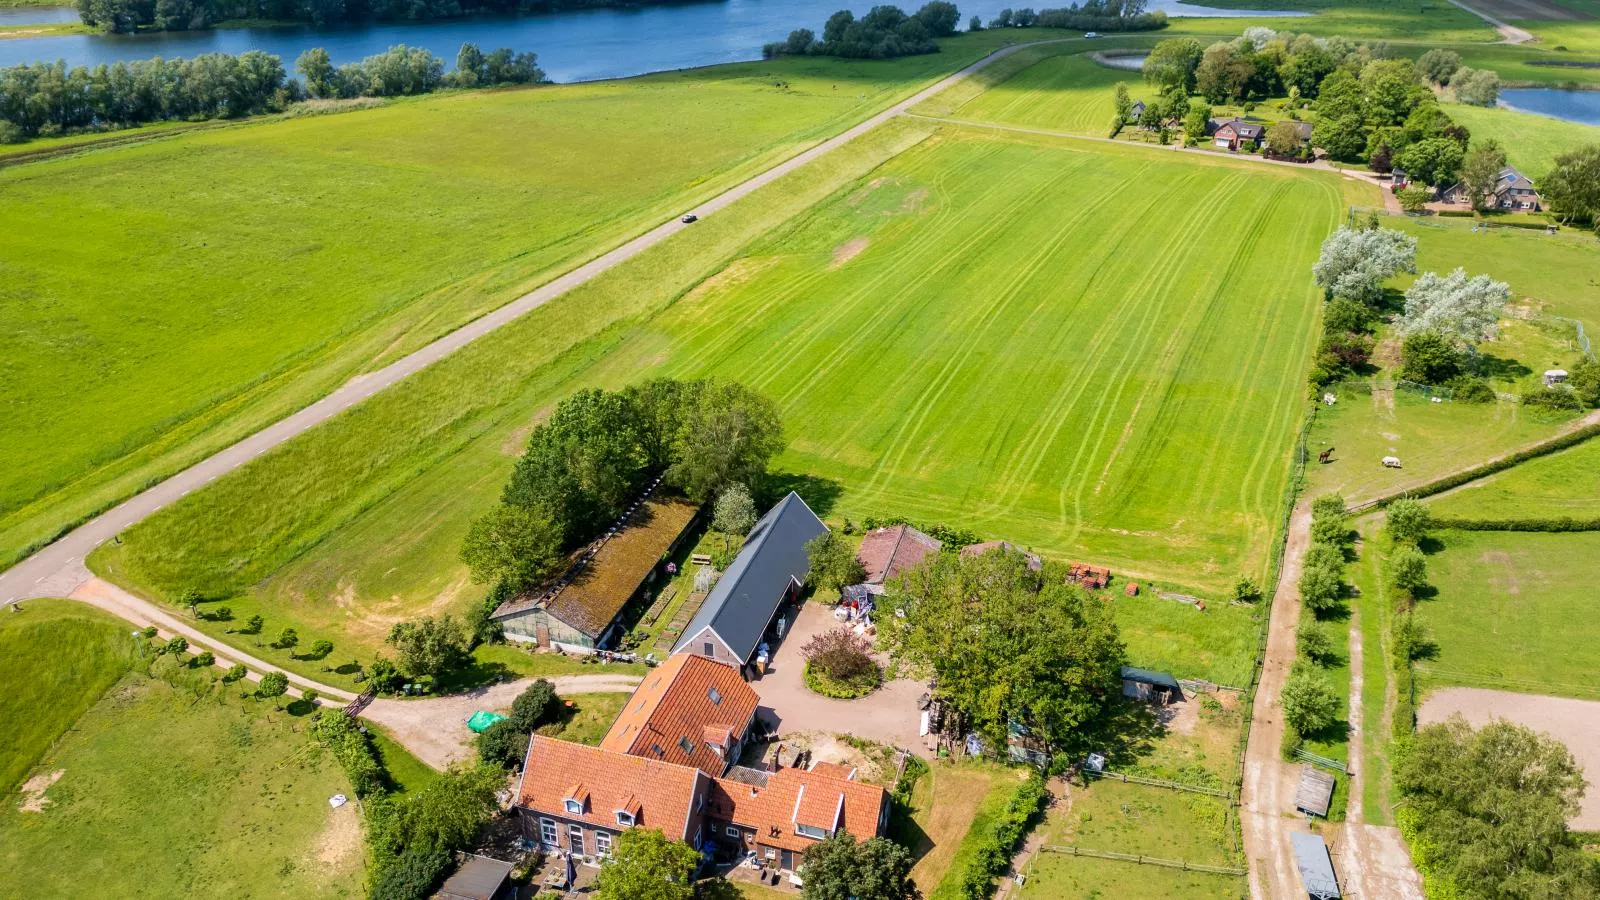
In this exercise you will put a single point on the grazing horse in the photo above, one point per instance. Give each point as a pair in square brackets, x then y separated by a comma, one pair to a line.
[1325, 456]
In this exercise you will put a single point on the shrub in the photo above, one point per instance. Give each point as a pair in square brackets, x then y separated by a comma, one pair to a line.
[203, 660]
[310, 696]
[503, 744]
[1313, 642]
[1552, 398]
[1320, 589]
[1345, 315]
[287, 639]
[1471, 389]
[273, 685]
[1328, 520]
[1327, 556]
[254, 624]
[993, 856]
[342, 736]
[148, 632]
[175, 645]
[859, 686]
[1407, 520]
[1245, 590]
[1561, 442]
[1429, 358]
[1309, 703]
[1555, 524]
[235, 672]
[1456, 213]
[1408, 569]
[839, 664]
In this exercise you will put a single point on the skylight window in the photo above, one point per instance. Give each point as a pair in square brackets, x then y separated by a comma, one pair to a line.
[687, 745]
[716, 698]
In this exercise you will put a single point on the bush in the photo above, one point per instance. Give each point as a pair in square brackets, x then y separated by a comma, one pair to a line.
[1407, 520]
[235, 672]
[342, 736]
[993, 856]
[1456, 213]
[860, 685]
[1308, 701]
[1552, 398]
[1245, 590]
[1313, 642]
[1408, 569]
[1470, 389]
[1320, 589]
[1329, 523]
[841, 656]
[1562, 442]
[1429, 358]
[203, 660]
[175, 646]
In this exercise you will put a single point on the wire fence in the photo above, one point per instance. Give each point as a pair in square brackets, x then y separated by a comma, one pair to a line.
[1322, 761]
[1141, 859]
[1370, 385]
[1582, 339]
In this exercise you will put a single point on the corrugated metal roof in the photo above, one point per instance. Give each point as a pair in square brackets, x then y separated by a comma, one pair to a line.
[1316, 869]
[1315, 791]
[739, 608]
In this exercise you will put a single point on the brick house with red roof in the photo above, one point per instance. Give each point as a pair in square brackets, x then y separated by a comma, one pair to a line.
[690, 710]
[575, 798]
[886, 553]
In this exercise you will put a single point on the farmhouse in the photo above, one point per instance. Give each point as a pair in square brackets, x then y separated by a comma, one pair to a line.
[767, 574]
[577, 799]
[972, 551]
[690, 710]
[885, 553]
[1234, 134]
[579, 611]
[1512, 191]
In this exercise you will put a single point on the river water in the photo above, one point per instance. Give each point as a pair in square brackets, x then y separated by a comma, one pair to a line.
[1574, 106]
[577, 45]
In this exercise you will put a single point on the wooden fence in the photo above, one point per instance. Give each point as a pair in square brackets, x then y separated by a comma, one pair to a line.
[1157, 782]
[1141, 859]
[1322, 761]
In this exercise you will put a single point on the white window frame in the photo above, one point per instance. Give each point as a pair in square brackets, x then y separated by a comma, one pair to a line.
[602, 842]
[549, 834]
[810, 831]
[624, 819]
[575, 840]
[733, 831]
[574, 807]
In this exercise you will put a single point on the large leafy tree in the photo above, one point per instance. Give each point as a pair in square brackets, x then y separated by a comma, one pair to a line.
[1438, 64]
[1480, 170]
[1478, 87]
[839, 868]
[645, 865]
[1355, 261]
[735, 510]
[430, 646]
[1390, 90]
[833, 562]
[1308, 701]
[1435, 160]
[659, 406]
[1173, 62]
[1407, 520]
[1491, 807]
[727, 437]
[1429, 358]
[1464, 309]
[515, 545]
[1007, 643]
[582, 465]
[1572, 189]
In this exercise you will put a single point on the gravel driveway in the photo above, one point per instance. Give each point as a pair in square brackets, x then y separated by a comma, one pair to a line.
[888, 715]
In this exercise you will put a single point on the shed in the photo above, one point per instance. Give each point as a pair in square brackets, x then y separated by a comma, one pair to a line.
[1554, 377]
[1151, 686]
[767, 573]
[1316, 867]
[1315, 791]
[479, 878]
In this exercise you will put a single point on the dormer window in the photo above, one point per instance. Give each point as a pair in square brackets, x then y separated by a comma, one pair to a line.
[574, 807]
[810, 831]
[624, 818]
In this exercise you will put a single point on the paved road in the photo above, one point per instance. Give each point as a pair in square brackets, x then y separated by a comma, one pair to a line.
[57, 570]
[1509, 34]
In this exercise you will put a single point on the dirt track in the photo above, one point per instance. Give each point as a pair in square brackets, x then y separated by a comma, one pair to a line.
[1575, 723]
[1509, 34]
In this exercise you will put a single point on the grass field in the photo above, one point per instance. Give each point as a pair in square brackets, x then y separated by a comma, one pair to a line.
[1513, 612]
[166, 297]
[163, 796]
[1561, 484]
[1374, 607]
[961, 804]
[1042, 88]
[1532, 142]
[344, 552]
[56, 658]
[1431, 20]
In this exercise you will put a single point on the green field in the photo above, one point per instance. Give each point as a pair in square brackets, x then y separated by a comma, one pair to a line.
[1430, 20]
[1514, 611]
[1069, 410]
[56, 658]
[165, 298]
[1561, 484]
[1042, 88]
[160, 795]
[1532, 142]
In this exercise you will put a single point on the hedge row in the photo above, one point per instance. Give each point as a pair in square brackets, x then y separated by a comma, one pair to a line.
[1554, 523]
[994, 854]
[1561, 442]
[1456, 213]
[343, 737]
[1424, 855]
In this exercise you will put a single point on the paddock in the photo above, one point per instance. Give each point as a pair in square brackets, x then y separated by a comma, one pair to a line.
[1575, 723]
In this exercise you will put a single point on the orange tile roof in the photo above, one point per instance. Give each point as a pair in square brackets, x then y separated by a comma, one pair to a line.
[791, 796]
[835, 770]
[887, 552]
[684, 702]
[660, 795]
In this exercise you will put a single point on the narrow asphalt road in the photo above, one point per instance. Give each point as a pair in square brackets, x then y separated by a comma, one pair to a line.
[57, 570]
[1510, 34]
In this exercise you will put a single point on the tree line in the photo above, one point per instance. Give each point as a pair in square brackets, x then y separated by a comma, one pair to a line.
[883, 33]
[126, 16]
[1095, 15]
[599, 449]
[49, 98]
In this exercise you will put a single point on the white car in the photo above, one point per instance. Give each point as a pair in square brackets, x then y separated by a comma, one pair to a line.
[1091, 34]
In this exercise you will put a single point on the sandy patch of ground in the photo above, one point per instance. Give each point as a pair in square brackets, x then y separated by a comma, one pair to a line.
[848, 250]
[33, 798]
[737, 272]
[341, 836]
[1575, 723]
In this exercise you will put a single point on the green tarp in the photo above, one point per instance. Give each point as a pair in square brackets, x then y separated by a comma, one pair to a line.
[480, 721]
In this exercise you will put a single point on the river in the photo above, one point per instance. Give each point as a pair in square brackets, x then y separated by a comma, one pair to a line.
[576, 45]
[1574, 106]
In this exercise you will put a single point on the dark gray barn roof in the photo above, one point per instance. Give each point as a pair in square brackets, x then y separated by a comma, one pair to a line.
[740, 607]
[1153, 678]
[1316, 869]
[479, 878]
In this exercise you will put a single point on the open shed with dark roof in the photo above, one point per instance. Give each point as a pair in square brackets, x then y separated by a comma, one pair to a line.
[479, 878]
[768, 572]
[1150, 685]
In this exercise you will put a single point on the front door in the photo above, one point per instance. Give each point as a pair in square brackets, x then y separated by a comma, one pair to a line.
[541, 633]
[787, 862]
[575, 839]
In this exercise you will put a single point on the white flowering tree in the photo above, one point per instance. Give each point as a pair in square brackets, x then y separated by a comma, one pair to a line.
[1355, 261]
[1464, 309]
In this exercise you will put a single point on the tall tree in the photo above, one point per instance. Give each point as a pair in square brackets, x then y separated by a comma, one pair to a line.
[1434, 161]
[1465, 309]
[317, 69]
[1008, 643]
[735, 511]
[1478, 87]
[832, 561]
[430, 646]
[1354, 262]
[1173, 62]
[1123, 103]
[582, 465]
[517, 545]
[645, 865]
[1308, 701]
[1492, 806]
[728, 436]
[1572, 189]
[1438, 64]
[839, 868]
